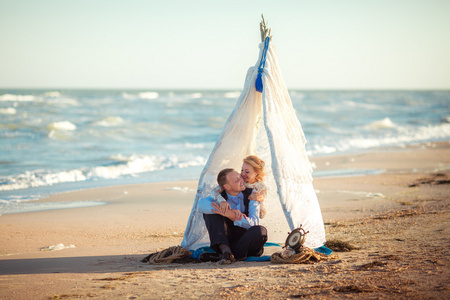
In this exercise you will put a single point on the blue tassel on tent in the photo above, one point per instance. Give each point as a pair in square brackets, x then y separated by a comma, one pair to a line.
[258, 83]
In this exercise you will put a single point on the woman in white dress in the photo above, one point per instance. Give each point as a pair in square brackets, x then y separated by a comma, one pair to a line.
[253, 174]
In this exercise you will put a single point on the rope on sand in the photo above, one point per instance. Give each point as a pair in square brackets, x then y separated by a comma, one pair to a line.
[167, 256]
[306, 256]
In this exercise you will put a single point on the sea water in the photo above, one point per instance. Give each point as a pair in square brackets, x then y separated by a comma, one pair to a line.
[60, 140]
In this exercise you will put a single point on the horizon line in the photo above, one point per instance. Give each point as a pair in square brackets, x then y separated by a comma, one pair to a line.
[221, 89]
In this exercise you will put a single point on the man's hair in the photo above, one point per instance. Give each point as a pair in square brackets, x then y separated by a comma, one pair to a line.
[222, 177]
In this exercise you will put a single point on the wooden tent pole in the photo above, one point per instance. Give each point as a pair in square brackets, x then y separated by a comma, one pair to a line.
[265, 32]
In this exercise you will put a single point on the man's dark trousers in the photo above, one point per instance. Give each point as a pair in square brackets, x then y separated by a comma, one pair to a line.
[243, 242]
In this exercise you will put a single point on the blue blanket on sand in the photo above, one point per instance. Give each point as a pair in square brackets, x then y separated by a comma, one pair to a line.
[196, 253]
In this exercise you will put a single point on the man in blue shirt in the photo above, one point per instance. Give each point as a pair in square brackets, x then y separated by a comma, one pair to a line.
[234, 233]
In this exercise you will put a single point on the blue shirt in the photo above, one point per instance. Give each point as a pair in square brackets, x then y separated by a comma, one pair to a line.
[204, 205]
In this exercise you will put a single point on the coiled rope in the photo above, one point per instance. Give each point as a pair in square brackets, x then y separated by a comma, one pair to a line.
[167, 256]
[306, 256]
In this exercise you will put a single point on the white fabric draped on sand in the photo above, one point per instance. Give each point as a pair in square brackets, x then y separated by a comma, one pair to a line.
[265, 125]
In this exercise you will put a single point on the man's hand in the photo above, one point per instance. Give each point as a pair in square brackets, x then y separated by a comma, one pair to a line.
[224, 207]
[255, 196]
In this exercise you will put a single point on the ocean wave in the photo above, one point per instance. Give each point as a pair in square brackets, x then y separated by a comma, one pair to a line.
[124, 166]
[63, 101]
[232, 95]
[297, 94]
[121, 158]
[17, 98]
[195, 95]
[63, 125]
[109, 121]
[381, 124]
[128, 96]
[52, 94]
[368, 106]
[141, 95]
[61, 130]
[8, 111]
[207, 102]
[404, 135]
[195, 146]
[188, 146]
[148, 95]
[181, 189]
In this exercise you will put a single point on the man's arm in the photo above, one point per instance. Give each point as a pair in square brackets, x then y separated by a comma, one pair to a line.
[204, 205]
[232, 214]
[209, 206]
[215, 193]
[253, 216]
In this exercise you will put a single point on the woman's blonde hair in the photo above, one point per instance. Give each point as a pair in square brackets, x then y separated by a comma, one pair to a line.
[258, 164]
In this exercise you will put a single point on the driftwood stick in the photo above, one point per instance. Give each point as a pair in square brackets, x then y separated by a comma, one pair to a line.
[265, 32]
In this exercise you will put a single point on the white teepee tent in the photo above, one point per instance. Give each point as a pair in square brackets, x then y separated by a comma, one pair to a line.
[265, 124]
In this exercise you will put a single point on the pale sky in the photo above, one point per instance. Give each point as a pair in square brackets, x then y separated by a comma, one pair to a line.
[189, 44]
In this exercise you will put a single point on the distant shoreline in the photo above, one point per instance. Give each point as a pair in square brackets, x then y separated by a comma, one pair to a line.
[218, 89]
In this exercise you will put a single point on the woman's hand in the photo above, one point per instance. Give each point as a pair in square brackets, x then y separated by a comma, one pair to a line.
[224, 206]
[232, 214]
[216, 209]
[255, 196]
[238, 215]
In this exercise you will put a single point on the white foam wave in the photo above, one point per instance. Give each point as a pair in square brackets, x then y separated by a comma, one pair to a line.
[195, 95]
[52, 94]
[141, 95]
[63, 125]
[195, 146]
[131, 166]
[8, 111]
[368, 106]
[232, 95]
[296, 94]
[180, 189]
[110, 121]
[17, 98]
[128, 96]
[148, 95]
[121, 158]
[405, 135]
[381, 124]
[324, 149]
[63, 101]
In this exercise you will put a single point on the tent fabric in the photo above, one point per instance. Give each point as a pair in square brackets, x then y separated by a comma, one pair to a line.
[265, 124]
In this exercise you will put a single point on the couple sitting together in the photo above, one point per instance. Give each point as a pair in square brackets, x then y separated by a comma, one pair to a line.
[232, 212]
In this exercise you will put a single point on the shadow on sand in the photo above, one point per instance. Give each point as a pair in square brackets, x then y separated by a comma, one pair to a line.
[82, 264]
[96, 264]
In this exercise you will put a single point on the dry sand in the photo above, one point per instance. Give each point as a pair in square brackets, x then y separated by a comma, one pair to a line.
[398, 219]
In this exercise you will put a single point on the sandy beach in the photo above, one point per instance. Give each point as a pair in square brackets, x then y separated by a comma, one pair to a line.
[397, 221]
